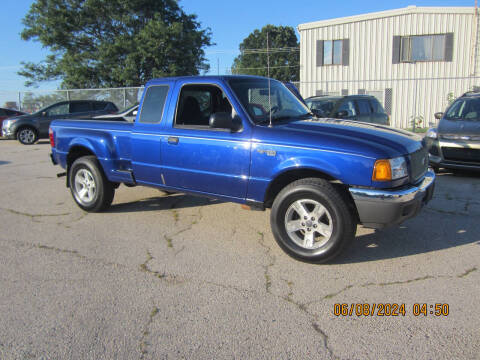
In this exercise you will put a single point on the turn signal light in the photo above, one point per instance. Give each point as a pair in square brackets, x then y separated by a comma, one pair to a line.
[382, 171]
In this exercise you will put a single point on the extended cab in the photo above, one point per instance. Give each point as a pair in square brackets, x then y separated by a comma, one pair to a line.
[249, 140]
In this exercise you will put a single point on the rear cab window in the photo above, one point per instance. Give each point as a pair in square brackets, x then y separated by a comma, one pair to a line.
[153, 104]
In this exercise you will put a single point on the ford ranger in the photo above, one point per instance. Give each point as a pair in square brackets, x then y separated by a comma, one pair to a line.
[249, 140]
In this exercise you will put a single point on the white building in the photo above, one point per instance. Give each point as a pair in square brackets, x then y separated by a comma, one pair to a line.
[413, 59]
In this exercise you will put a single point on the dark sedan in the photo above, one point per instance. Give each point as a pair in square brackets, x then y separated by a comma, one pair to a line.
[29, 128]
[364, 108]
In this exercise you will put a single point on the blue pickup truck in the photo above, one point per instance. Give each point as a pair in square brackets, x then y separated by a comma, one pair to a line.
[249, 140]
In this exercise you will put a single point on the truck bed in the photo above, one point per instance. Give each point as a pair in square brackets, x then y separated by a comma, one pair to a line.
[109, 140]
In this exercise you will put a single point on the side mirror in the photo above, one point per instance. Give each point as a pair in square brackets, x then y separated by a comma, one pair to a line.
[221, 120]
[438, 115]
[135, 113]
[342, 114]
[317, 113]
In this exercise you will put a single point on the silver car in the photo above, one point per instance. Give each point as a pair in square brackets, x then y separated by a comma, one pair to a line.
[455, 143]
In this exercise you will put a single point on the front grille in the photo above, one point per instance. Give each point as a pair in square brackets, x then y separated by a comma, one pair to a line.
[461, 154]
[418, 163]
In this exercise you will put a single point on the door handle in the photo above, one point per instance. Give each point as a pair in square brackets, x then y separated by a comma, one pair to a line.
[173, 140]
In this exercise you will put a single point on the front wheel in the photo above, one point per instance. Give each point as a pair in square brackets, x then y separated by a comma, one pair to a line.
[27, 136]
[90, 188]
[311, 220]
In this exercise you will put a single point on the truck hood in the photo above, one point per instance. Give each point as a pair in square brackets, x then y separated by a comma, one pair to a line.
[459, 127]
[372, 140]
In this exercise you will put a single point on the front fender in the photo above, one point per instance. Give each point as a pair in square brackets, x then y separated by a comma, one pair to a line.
[267, 165]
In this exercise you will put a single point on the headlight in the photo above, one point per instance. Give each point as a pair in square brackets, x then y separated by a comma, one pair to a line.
[7, 123]
[390, 169]
[432, 133]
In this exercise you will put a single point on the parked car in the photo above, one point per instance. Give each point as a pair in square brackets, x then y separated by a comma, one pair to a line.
[364, 108]
[291, 86]
[455, 143]
[228, 137]
[128, 114]
[31, 127]
[6, 113]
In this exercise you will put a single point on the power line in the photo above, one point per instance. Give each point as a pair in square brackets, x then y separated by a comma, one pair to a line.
[265, 67]
[270, 51]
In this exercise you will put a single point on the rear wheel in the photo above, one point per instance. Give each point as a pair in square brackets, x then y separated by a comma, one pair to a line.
[311, 220]
[27, 136]
[90, 188]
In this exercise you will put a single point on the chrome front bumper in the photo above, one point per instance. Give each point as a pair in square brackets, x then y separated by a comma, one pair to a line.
[382, 208]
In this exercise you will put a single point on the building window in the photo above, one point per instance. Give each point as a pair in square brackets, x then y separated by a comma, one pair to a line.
[423, 48]
[333, 52]
[417, 48]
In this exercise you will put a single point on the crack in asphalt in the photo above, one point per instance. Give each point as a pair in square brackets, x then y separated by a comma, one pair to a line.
[143, 339]
[313, 318]
[196, 219]
[289, 297]
[266, 268]
[171, 279]
[467, 272]
[32, 216]
[391, 283]
[57, 250]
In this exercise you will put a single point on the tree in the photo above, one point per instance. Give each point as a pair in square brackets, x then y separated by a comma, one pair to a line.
[111, 43]
[284, 55]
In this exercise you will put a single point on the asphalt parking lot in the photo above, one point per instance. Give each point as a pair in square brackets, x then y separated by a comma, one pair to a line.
[174, 276]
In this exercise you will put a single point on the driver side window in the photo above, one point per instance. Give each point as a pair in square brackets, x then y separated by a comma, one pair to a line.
[60, 109]
[198, 102]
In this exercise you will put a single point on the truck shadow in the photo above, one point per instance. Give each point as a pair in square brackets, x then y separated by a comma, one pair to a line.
[158, 203]
[449, 220]
[411, 238]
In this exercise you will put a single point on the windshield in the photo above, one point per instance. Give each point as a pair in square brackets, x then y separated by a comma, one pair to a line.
[323, 107]
[282, 105]
[464, 109]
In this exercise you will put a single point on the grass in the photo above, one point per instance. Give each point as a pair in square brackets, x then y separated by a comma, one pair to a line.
[418, 130]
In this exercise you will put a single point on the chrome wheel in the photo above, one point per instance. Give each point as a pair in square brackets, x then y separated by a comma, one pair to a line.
[26, 136]
[308, 223]
[85, 187]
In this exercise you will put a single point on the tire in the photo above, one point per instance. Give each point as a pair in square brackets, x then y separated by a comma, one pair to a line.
[27, 135]
[89, 186]
[328, 227]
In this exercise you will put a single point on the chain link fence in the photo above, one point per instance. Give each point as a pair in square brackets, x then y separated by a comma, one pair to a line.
[32, 101]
